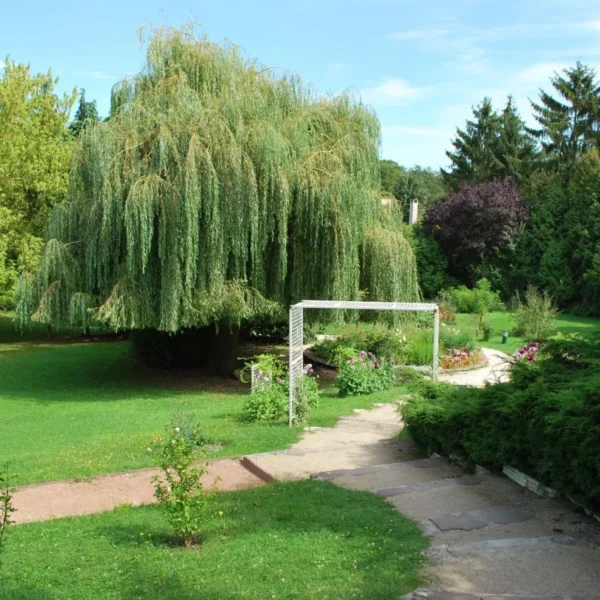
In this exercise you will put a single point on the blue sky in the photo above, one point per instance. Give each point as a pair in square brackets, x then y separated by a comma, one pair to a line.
[422, 64]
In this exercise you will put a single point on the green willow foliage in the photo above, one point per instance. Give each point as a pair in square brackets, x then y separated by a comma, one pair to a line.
[214, 185]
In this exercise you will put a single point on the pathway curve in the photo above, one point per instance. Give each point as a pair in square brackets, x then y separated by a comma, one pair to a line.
[495, 371]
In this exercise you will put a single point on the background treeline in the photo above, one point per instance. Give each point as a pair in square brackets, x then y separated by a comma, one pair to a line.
[520, 205]
[36, 143]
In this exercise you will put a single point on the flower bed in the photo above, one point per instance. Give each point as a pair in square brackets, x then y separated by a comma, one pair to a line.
[527, 352]
[463, 359]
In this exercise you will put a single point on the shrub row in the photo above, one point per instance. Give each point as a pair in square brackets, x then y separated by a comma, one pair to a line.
[545, 422]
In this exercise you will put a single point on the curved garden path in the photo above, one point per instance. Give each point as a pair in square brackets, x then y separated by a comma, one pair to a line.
[495, 371]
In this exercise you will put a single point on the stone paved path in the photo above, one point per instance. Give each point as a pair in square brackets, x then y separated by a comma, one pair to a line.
[490, 538]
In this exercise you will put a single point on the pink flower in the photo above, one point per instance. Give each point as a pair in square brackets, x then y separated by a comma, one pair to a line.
[393, 363]
[377, 366]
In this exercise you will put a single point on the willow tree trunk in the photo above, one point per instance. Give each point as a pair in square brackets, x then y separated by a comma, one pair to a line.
[213, 349]
[224, 346]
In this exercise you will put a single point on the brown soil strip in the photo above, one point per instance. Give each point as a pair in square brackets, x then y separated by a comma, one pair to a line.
[58, 499]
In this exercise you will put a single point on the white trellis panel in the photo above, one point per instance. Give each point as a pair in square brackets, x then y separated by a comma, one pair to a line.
[257, 379]
[296, 351]
[352, 305]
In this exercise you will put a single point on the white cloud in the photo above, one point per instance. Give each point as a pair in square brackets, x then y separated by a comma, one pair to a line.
[337, 66]
[2, 64]
[392, 91]
[539, 73]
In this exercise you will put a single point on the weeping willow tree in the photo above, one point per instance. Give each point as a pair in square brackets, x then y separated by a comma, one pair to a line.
[216, 191]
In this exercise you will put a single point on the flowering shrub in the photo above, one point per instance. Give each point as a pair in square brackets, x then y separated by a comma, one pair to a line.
[179, 489]
[269, 397]
[307, 396]
[461, 359]
[527, 352]
[364, 373]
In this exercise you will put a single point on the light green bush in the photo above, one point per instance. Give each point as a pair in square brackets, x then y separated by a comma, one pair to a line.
[534, 315]
[480, 298]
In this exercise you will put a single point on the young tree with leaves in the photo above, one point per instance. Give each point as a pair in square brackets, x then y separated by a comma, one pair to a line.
[569, 117]
[217, 191]
[34, 162]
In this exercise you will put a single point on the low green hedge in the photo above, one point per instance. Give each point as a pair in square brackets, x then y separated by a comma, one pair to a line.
[545, 422]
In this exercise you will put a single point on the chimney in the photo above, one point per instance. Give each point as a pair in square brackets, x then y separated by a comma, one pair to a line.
[413, 214]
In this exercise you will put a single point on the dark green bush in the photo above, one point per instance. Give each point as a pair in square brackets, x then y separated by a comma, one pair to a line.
[545, 422]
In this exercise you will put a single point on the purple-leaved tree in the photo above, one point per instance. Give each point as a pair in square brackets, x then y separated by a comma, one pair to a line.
[472, 223]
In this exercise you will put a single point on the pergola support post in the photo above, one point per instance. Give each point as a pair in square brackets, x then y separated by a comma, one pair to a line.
[436, 344]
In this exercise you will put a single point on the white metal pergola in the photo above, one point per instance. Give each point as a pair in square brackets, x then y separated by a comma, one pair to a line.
[296, 352]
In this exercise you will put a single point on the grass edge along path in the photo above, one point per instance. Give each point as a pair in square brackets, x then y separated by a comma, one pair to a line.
[297, 540]
[80, 410]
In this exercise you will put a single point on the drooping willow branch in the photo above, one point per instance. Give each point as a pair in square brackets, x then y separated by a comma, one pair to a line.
[216, 190]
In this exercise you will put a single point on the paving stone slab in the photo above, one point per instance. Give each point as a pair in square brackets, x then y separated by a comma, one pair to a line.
[427, 486]
[427, 594]
[546, 566]
[476, 519]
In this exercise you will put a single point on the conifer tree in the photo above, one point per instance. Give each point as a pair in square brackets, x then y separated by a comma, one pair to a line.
[86, 115]
[569, 117]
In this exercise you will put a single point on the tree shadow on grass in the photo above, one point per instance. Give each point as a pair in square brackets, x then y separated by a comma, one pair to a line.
[101, 372]
[23, 591]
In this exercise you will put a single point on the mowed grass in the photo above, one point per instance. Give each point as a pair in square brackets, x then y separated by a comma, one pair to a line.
[506, 321]
[301, 540]
[78, 410]
[500, 321]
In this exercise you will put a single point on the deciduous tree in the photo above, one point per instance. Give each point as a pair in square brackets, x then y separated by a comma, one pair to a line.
[34, 160]
[217, 190]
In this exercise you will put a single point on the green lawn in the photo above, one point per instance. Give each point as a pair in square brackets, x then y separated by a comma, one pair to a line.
[500, 321]
[505, 321]
[302, 540]
[75, 410]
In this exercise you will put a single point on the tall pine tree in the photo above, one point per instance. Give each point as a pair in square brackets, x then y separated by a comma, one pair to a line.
[474, 157]
[86, 115]
[569, 117]
[492, 146]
